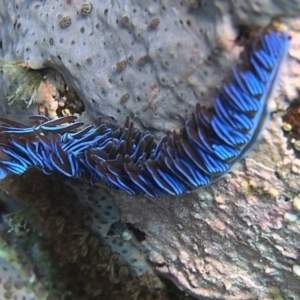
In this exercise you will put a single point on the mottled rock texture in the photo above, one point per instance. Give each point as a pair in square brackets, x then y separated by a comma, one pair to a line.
[238, 239]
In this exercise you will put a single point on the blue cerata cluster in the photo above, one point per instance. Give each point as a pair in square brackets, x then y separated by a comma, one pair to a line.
[200, 153]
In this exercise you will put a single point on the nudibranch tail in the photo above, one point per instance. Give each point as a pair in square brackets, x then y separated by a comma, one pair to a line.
[203, 151]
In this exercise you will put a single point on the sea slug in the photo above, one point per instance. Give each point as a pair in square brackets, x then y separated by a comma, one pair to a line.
[200, 153]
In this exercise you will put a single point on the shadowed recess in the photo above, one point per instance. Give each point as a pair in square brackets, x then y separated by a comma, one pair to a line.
[200, 153]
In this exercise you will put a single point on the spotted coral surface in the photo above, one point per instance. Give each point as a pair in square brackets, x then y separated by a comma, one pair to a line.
[12, 284]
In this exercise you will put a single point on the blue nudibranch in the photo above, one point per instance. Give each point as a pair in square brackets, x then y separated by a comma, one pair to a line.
[205, 149]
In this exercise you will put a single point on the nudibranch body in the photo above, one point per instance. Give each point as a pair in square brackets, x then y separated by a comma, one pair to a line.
[203, 151]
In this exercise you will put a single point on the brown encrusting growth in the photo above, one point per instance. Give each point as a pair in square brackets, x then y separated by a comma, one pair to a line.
[80, 265]
[291, 126]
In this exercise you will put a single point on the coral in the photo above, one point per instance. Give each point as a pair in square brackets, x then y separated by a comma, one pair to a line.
[105, 223]
[17, 277]
[12, 285]
[44, 87]
[28, 81]
[178, 70]
[88, 44]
